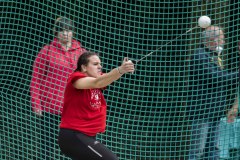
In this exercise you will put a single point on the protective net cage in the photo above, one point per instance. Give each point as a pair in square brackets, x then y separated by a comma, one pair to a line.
[148, 111]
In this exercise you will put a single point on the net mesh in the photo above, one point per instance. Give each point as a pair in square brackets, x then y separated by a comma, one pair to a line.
[148, 110]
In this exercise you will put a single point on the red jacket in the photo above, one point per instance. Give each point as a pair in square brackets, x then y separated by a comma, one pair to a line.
[51, 69]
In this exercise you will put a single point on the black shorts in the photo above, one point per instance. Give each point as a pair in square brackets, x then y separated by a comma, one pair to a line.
[79, 146]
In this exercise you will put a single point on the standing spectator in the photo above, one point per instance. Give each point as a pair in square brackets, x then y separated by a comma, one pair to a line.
[51, 69]
[208, 90]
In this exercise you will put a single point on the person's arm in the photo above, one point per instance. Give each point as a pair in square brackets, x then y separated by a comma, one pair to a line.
[232, 113]
[39, 71]
[105, 79]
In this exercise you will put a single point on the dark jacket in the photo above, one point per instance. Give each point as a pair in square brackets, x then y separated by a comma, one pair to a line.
[209, 86]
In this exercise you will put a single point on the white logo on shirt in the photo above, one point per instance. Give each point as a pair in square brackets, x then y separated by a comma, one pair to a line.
[95, 101]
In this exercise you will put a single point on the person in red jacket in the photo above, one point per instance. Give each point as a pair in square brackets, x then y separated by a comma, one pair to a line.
[51, 68]
[84, 110]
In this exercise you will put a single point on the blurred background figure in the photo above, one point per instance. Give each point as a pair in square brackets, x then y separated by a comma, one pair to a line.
[51, 69]
[208, 92]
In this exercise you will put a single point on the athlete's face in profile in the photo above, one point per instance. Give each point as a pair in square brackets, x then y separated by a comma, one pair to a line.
[94, 67]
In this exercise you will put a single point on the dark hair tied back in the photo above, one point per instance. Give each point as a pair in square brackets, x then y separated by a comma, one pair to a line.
[84, 59]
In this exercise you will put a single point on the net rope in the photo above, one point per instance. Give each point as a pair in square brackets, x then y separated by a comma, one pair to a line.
[147, 110]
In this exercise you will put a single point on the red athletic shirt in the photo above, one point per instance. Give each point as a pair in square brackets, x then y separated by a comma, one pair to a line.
[84, 110]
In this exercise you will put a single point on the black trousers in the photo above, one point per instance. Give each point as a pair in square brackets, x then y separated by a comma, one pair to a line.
[49, 129]
[79, 146]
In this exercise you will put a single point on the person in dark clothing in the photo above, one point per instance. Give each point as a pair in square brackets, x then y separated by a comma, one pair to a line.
[208, 91]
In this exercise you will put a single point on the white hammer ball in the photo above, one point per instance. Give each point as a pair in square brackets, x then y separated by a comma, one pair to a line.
[204, 21]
